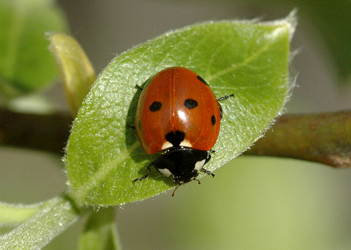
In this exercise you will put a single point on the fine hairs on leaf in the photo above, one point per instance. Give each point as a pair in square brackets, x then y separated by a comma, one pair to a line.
[53, 217]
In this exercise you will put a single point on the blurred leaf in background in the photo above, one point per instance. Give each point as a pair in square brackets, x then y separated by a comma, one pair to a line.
[330, 20]
[25, 61]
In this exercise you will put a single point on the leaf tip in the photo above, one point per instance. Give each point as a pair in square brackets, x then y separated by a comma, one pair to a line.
[291, 21]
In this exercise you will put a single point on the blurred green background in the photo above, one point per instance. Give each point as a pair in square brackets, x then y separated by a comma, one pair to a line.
[253, 202]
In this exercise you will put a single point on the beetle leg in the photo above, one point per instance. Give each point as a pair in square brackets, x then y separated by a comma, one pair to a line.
[222, 99]
[138, 87]
[198, 182]
[176, 189]
[207, 172]
[148, 172]
[225, 97]
[131, 126]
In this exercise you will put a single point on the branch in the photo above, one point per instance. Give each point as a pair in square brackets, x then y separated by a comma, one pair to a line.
[40, 132]
[324, 138]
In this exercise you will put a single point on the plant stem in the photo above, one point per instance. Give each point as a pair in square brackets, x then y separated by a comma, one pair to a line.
[324, 138]
[100, 231]
[32, 131]
[53, 218]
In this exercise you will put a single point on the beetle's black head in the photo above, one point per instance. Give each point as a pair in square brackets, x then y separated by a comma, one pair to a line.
[182, 163]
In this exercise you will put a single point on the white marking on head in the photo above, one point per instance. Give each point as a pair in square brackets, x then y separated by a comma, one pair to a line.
[199, 164]
[165, 172]
[166, 145]
[186, 143]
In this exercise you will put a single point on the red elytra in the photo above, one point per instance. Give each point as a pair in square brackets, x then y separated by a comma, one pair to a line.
[177, 99]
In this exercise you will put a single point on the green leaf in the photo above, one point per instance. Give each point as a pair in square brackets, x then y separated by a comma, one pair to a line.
[77, 73]
[11, 215]
[25, 62]
[100, 231]
[53, 218]
[247, 59]
[327, 23]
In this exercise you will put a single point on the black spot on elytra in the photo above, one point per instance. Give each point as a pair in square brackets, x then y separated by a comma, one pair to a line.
[213, 120]
[155, 106]
[220, 110]
[175, 138]
[202, 80]
[190, 103]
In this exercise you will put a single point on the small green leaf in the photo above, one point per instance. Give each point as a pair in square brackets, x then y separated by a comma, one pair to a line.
[100, 231]
[53, 218]
[25, 62]
[76, 71]
[247, 59]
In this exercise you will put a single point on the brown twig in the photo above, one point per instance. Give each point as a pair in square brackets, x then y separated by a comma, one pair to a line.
[324, 138]
[38, 132]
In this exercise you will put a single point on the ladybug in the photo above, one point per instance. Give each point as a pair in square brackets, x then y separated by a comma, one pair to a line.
[178, 115]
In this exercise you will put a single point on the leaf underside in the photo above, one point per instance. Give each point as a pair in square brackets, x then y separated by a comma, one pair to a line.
[247, 59]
